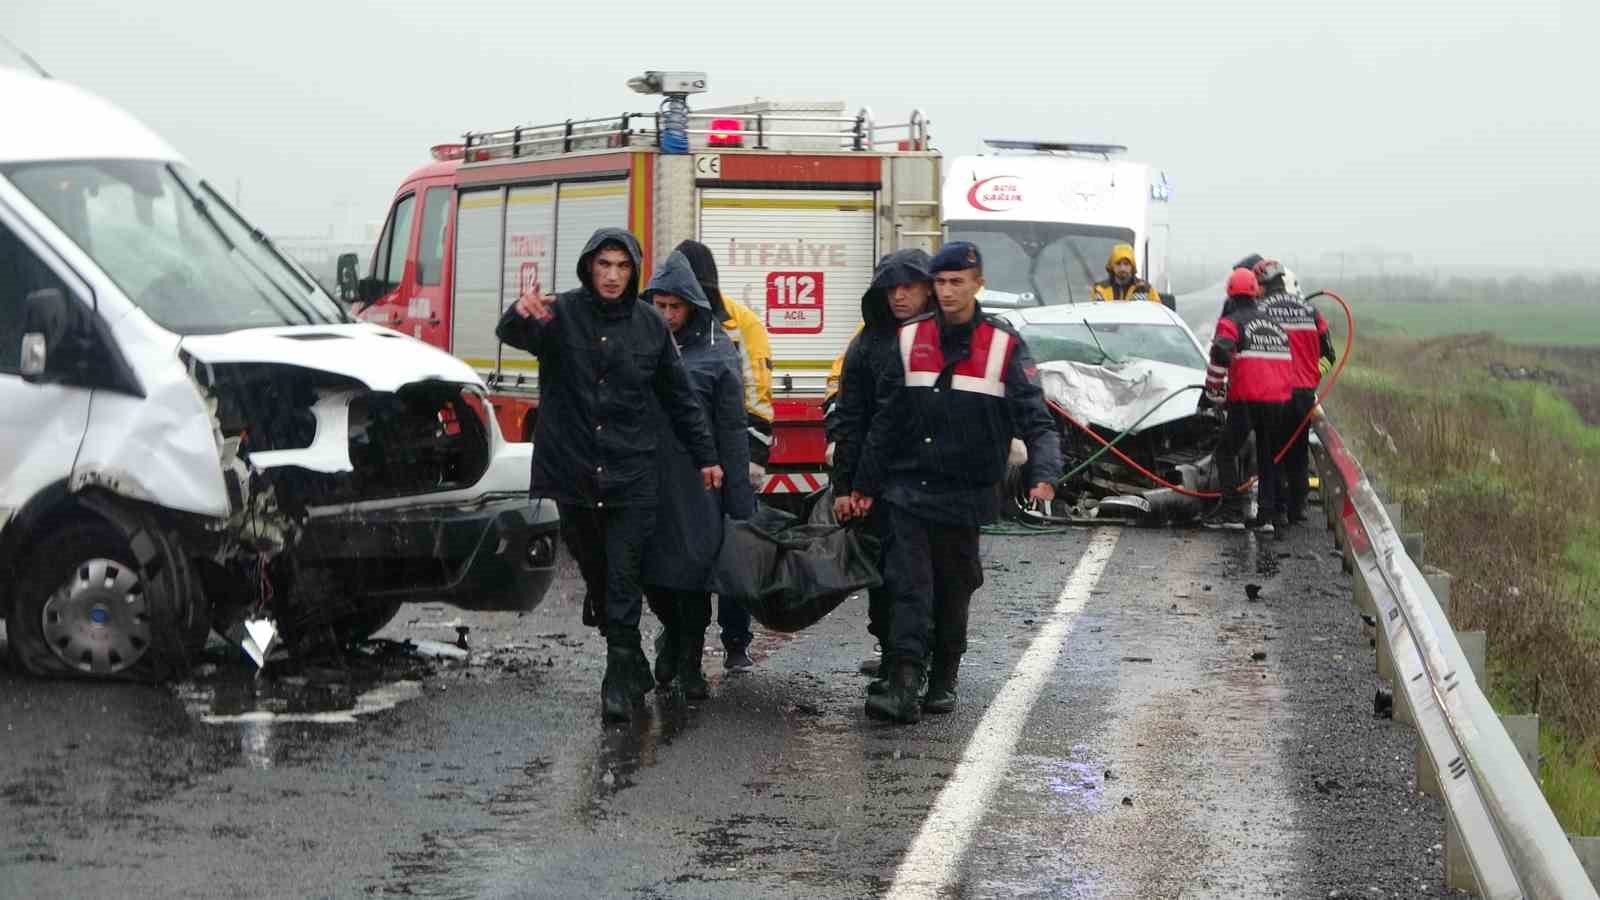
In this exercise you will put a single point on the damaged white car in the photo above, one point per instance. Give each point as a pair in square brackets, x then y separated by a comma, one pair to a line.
[194, 436]
[1132, 373]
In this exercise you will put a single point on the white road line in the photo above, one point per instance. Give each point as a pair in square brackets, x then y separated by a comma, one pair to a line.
[935, 855]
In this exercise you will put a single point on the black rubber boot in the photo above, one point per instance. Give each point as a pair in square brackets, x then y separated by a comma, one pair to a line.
[616, 689]
[639, 679]
[691, 677]
[941, 697]
[666, 667]
[902, 702]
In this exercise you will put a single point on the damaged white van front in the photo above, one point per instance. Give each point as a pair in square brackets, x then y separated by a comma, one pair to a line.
[194, 435]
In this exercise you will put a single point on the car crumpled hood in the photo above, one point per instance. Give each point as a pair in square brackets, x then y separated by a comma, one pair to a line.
[1115, 396]
[379, 358]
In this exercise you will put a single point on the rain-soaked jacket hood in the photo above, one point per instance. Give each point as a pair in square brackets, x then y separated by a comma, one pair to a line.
[1120, 253]
[893, 270]
[705, 272]
[677, 277]
[602, 236]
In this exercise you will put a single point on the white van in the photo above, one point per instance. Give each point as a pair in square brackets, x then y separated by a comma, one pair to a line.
[193, 434]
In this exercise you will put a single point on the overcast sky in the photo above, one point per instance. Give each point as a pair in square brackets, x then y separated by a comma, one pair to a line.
[1464, 133]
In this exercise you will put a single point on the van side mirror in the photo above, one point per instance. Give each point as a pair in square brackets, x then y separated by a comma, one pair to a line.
[55, 337]
[346, 276]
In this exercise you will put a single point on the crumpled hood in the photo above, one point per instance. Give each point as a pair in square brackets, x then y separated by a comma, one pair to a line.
[676, 277]
[1115, 396]
[382, 359]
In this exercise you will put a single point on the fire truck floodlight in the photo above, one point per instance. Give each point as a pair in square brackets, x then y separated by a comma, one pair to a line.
[653, 82]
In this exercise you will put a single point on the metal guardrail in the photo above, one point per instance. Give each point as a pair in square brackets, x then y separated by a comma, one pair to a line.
[1511, 838]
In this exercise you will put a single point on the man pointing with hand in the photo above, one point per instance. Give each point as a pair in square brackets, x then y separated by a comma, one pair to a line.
[606, 357]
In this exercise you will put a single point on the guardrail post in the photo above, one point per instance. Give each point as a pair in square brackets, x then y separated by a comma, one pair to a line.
[1397, 514]
[1524, 732]
[1439, 582]
[1412, 541]
[1588, 851]
[1475, 647]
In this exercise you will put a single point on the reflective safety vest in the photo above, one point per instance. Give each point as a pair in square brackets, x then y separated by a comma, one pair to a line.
[982, 371]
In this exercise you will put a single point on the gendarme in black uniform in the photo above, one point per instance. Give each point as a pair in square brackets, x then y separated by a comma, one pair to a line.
[948, 405]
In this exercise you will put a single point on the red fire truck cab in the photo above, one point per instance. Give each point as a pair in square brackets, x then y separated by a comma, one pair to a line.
[796, 201]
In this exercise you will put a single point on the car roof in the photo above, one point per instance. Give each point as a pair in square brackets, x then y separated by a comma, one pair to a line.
[47, 119]
[1139, 312]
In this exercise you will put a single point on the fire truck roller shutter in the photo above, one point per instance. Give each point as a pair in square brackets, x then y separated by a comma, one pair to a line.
[581, 208]
[529, 246]
[475, 305]
[810, 253]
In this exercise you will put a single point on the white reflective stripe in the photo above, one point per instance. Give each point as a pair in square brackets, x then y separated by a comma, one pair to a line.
[908, 339]
[1265, 354]
[1298, 326]
[996, 367]
[921, 379]
[978, 385]
[1215, 369]
[763, 438]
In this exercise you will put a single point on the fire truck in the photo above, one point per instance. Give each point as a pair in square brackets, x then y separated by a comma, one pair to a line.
[797, 201]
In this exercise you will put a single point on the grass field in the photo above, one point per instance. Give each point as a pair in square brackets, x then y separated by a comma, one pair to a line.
[1560, 325]
[1499, 473]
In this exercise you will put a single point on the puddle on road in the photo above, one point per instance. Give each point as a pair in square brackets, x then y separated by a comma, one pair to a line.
[228, 692]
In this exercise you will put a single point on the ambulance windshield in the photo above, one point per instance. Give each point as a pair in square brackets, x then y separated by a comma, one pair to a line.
[173, 245]
[1039, 263]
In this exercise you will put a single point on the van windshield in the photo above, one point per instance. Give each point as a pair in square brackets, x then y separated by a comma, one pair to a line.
[173, 245]
[1041, 263]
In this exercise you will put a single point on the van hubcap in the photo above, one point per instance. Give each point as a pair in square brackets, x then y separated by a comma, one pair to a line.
[99, 621]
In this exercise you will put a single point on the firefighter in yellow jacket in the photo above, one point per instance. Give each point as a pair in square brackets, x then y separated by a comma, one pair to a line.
[749, 334]
[1123, 281]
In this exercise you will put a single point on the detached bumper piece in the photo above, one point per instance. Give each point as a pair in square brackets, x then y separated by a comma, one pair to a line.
[497, 556]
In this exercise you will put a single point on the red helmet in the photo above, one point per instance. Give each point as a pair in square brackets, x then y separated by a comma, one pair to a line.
[1243, 283]
[1268, 271]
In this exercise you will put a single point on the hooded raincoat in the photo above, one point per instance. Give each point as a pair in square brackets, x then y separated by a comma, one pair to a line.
[607, 373]
[1136, 288]
[871, 352]
[751, 343]
[679, 554]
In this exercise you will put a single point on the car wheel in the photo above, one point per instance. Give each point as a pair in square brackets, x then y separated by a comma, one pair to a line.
[89, 606]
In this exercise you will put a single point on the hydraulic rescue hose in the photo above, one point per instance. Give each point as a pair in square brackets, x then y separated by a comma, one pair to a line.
[1110, 446]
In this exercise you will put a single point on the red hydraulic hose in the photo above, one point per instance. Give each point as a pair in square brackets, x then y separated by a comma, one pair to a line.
[1349, 344]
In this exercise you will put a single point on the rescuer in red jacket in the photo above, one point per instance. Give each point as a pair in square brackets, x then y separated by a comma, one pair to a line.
[1251, 376]
[1312, 349]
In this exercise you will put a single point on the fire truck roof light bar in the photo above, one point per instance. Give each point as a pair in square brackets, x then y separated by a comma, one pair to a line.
[860, 133]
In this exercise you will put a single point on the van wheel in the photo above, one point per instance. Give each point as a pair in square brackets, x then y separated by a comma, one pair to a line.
[89, 606]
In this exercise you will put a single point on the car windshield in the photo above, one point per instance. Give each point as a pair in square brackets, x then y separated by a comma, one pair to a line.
[173, 245]
[1074, 342]
[1042, 263]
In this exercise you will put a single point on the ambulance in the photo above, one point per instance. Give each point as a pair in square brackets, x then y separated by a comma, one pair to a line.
[1046, 214]
[796, 200]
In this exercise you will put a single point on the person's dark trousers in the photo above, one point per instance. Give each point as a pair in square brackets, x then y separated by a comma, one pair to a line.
[735, 623]
[1266, 423]
[1297, 462]
[879, 599]
[608, 545]
[1230, 446]
[931, 573]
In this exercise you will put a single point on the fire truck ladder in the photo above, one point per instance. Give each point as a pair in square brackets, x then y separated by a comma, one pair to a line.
[795, 126]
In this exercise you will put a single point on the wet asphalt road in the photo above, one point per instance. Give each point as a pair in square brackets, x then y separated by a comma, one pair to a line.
[1138, 749]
